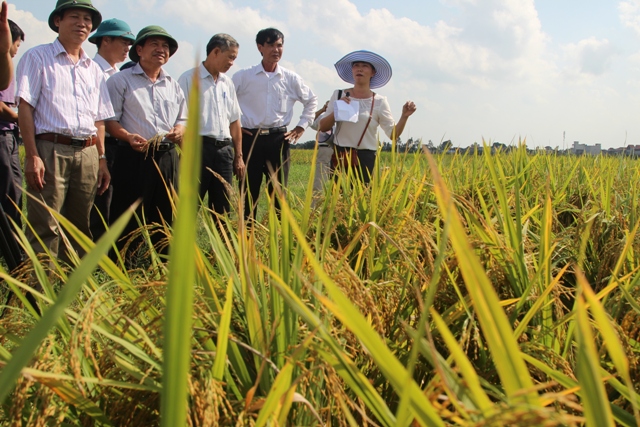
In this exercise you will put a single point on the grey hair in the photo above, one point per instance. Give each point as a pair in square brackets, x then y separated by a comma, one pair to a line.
[222, 41]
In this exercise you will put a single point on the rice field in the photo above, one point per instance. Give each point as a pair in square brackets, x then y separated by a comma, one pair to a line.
[454, 290]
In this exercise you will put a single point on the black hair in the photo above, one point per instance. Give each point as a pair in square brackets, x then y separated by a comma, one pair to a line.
[16, 32]
[269, 35]
[222, 41]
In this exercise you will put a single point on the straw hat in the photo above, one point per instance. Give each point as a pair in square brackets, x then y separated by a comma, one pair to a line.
[381, 66]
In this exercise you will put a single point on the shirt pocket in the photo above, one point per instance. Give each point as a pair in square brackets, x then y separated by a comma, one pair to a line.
[170, 110]
[280, 100]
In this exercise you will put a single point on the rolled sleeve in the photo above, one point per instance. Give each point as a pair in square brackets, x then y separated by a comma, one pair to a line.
[29, 78]
[385, 120]
[308, 100]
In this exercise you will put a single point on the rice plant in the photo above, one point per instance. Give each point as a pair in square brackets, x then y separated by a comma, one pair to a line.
[471, 290]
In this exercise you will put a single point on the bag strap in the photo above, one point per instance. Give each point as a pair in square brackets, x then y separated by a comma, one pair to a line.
[373, 98]
[335, 131]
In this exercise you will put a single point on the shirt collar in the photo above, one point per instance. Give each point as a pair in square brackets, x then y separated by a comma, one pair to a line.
[58, 49]
[203, 72]
[137, 69]
[106, 67]
[260, 69]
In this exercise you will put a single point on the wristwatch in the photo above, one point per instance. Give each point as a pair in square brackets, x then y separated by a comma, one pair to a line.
[102, 156]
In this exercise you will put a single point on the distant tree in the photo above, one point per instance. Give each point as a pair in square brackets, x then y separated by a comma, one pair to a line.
[307, 145]
[445, 146]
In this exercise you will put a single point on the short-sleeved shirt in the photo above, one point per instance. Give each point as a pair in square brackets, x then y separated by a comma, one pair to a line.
[218, 103]
[348, 134]
[67, 98]
[145, 107]
[267, 99]
[8, 96]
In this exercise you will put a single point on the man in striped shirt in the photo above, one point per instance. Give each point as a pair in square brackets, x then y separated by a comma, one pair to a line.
[62, 104]
[147, 103]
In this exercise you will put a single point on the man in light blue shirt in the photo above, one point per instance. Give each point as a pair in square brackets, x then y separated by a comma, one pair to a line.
[147, 103]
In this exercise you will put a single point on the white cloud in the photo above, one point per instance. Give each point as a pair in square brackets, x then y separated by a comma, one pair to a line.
[36, 32]
[630, 14]
[590, 56]
[209, 14]
[495, 40]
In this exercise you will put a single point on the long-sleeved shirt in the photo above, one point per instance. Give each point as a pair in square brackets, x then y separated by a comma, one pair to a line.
[67, 98]
[218, 102]
[267, 99]
[145, 107]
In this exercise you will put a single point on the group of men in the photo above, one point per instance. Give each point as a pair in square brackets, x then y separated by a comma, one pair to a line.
[95, 134]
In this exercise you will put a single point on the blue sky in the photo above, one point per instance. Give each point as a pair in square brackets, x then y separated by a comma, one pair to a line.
[497, 70]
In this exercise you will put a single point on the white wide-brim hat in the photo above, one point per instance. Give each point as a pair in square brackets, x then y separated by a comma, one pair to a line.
[382, 67]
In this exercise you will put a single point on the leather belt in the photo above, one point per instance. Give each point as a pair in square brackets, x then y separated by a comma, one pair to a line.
[217, 142]
[57, 138]
[268, 131]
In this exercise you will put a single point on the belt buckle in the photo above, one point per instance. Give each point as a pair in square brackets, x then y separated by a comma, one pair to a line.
[163, 146]
[264, 132]
[78, 142]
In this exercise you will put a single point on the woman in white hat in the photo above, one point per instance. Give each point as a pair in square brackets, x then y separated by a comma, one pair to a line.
[366, 71]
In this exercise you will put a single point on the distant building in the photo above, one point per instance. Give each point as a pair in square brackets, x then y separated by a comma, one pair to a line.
[581, 149]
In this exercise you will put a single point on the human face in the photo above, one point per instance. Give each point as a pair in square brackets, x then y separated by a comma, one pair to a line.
[362, 72]
[13, 50]
[154, 52]
[223, 60]
[114, 49]
[74, 26]
[271, 52]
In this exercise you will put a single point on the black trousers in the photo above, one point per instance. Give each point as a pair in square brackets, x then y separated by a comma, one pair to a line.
[10, 176]
[268, 151]
[139, 175]
[220, 160]
[366, 162]
[102, 202]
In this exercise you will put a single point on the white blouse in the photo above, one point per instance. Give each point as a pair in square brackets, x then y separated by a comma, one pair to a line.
[348, 134]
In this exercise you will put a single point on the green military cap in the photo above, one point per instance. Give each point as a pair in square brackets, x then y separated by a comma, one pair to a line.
[61, 5]
[152, 31]
[113, 28]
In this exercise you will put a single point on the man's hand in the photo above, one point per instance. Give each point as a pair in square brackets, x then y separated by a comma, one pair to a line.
[176, 134]
[34, 172]
[136, 142]
[104, 177]
[238, 167]
[294, 135]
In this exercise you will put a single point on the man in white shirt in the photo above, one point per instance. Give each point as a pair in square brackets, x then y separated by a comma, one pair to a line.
[267, 93]
[219, 120]
[113, 38]
[63, 129]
